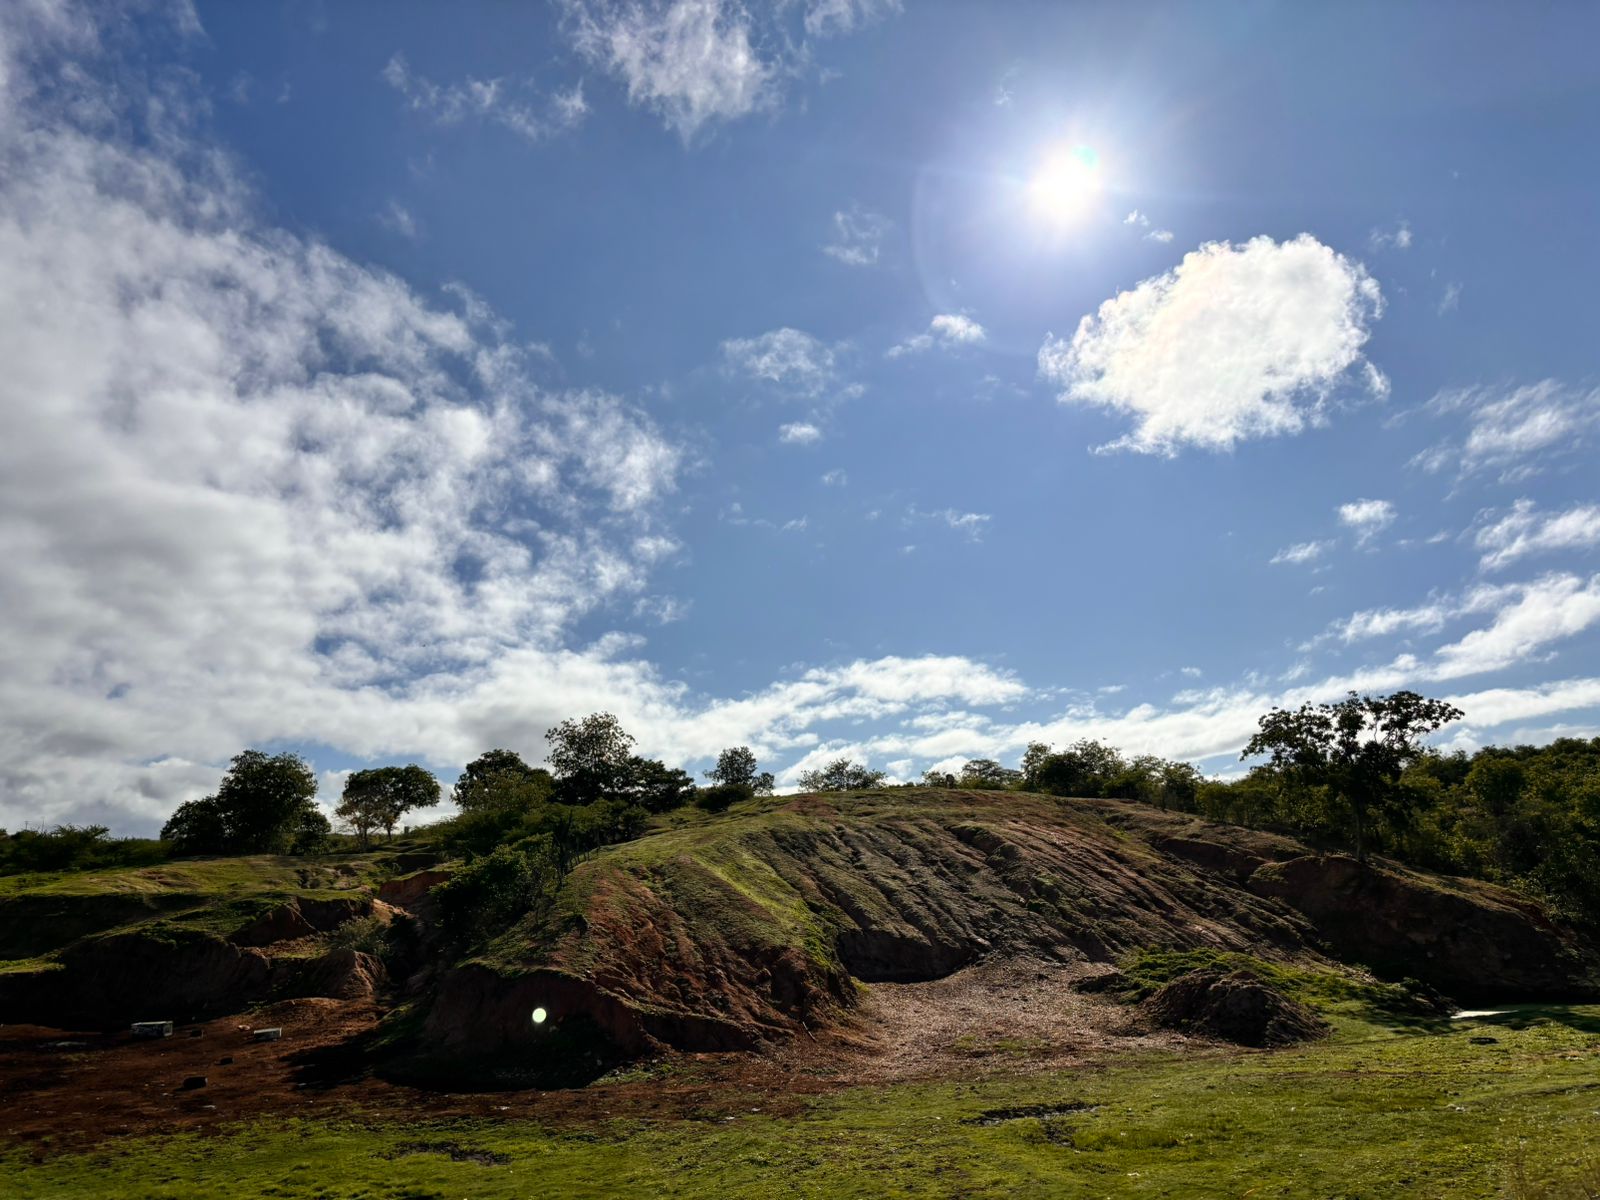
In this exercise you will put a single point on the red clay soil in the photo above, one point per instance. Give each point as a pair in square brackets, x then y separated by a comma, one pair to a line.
[63, 1091]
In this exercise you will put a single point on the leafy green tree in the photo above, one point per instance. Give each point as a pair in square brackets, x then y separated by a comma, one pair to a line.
[591, 758]
[737, 766]
[377, 798]
[939, 779]
[841, 775]
[985, 773]
[1357, 748]
[1086, 768]
[492, 892]
[265, 804]
[497, 779]
[656, 787]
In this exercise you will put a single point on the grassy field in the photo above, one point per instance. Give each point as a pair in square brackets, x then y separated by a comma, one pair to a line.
[1375, 1111]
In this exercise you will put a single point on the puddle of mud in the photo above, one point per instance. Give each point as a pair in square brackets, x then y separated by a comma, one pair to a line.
[456, 1151]
[1029, 1112]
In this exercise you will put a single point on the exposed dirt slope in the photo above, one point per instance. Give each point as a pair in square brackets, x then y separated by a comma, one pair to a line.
[748, 928]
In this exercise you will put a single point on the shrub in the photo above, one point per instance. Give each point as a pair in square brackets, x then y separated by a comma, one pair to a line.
[719, 796]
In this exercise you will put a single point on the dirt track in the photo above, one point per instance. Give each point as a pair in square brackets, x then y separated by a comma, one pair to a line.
[1010, 1017]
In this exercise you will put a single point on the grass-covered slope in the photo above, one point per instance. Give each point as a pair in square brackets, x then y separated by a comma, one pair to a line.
[725, 931]
[182, 938]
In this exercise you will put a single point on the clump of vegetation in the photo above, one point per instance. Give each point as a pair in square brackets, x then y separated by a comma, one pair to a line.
[841, 775]
[74, 848]
[493, 891]
[264, 805]
[1408, 1002]
[378, 798]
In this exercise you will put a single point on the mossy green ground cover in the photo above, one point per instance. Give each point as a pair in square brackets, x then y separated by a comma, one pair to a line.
[1376, 1111]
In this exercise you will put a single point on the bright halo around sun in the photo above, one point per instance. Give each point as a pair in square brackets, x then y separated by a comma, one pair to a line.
[1066, 185]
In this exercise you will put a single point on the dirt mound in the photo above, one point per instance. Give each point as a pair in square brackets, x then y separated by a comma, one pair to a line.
[343, 974]
[745, 930]
[1470, 940]
[301, 917]
[1232, 1007]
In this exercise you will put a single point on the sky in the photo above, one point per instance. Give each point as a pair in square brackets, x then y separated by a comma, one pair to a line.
[907, 382]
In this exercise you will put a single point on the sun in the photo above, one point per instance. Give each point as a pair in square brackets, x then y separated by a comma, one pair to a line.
[1066, 184]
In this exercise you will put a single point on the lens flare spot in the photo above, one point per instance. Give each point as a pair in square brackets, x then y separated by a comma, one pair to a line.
[539, 1016]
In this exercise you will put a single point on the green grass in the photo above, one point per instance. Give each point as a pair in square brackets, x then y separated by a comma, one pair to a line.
[1371, 1113]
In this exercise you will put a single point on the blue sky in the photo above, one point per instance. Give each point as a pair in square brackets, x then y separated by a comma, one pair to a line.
[906, 381]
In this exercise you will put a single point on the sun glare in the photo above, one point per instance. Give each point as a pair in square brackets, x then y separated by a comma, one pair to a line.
[1065, 185]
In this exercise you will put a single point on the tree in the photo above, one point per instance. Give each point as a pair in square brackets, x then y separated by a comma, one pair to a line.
[656, 787]
[1086, 768]
[986, 773]
[377, 798]
[737, 765]
[1356, 748]
[938, 779]
[265, 804]
[496, 779]
[591, 758]
[841, 775]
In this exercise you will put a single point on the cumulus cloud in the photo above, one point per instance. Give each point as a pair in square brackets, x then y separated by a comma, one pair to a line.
[1235, 343]
[1512, 430]
[857, 237]
[512, 106]
[1524, 530]
[698, 62]
[254, 491]
[947, 330]
[1367, 518]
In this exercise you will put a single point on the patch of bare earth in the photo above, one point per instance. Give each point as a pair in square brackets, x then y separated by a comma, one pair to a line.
[62, 1091]
[999, 1017]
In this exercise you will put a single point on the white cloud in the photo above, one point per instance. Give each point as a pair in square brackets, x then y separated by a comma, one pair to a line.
[1450, 299]
[1136, 218]
[787, 357]
[1237, 342]
[1159, 235]
[1424, 618]
[969, 523]
[857, 238]
[397, 219]
[947, 330]
[1524, 530]
[690, 61]
[835, 478]
[1399, 237]
[494, 100]
[1507, 428]
[1302, 552]
[698, 62]
[1550, 609]
[1367, 518]
[831, 18]
[253, 491]
[799, 433]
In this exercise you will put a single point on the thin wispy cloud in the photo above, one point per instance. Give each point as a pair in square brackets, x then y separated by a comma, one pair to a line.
[856, 237]
[1525, 531]
[699, 63]
[513, 106]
